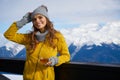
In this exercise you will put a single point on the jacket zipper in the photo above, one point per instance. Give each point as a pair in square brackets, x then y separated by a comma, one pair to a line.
[37, 61]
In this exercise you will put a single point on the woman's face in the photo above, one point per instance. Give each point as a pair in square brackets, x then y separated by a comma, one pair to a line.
[39, 22]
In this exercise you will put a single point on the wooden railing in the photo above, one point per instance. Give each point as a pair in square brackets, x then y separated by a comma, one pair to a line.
[69, 71]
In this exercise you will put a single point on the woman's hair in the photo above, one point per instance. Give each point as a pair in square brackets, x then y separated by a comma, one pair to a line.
[50, 36]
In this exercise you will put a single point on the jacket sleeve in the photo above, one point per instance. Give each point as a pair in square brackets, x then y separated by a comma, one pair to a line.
[12, 35]
[63, 50]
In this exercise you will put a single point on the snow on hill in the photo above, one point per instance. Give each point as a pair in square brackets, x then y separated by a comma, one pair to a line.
[92, 34]
[8, 48]
[14, 47]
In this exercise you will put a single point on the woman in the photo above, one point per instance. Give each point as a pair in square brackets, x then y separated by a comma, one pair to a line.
[42, 45]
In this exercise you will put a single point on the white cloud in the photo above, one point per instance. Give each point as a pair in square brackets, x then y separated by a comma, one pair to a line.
[90, 34]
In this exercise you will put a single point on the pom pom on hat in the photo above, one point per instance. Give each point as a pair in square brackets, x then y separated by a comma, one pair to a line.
[40, 10]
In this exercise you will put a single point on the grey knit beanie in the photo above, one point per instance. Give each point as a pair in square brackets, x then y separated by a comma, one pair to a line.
[40, 10]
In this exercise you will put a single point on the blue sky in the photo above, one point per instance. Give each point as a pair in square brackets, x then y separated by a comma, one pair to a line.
[63, 13]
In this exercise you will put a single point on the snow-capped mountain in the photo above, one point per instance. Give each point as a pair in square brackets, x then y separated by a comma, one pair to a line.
[87, 43]
[9, 49]
[94, 43]
[106, 53]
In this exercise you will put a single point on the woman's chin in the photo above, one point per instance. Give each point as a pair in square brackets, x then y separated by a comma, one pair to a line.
[39, 27]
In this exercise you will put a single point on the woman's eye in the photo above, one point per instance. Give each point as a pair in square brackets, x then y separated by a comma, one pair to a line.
[40, 17]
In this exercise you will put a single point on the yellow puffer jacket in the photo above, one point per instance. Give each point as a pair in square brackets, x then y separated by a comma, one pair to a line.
[34, 68]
